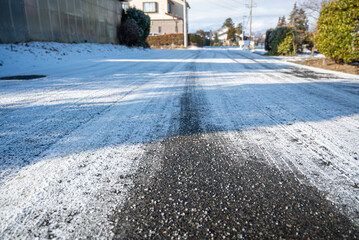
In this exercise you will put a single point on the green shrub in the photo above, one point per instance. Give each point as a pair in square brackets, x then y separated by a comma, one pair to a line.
[129, 33]
[266, 42]
[338, 26]
[196, 40]
[308, 40]
[143, 22]
[286, 46]
[281, 41]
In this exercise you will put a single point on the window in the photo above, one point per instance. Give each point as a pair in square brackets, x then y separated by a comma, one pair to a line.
[169, 10]
[125, 6]
[160, 29]
[150, 7]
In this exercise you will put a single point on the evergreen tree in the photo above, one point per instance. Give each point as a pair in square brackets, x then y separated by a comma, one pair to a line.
[282, 22]
[239, 29]
[298, 18]
[228, 23]
[302, 21]
[216, 40]
[338, 36]
[293, 15]
[201, 33]
[231, 33]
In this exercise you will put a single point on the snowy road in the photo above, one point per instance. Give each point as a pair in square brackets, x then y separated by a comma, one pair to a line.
[195, 143]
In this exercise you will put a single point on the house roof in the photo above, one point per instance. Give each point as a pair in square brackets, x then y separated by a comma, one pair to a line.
[188, 6]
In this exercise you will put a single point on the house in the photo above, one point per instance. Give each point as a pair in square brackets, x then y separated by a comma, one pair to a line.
[222, 34]
[166, 15]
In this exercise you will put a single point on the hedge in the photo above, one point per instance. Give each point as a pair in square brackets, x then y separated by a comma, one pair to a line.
[338, 30]
[176, 40]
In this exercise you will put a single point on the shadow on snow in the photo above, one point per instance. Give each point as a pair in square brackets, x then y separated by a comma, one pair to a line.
[248, 106]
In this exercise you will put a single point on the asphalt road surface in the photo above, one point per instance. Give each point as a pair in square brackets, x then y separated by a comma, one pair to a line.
[197, 144]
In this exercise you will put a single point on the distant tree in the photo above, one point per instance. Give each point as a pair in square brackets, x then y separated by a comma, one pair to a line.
[216, 40]
[313, 7]
[203, 36]
[293, 15]
[298, 19]
[279, 22]
[282, 21]
[302, 21]
[228, 23]
[231, 33]
[201, 33]
[239, 29]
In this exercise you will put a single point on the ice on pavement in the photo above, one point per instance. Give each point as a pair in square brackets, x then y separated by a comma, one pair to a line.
[71, 142]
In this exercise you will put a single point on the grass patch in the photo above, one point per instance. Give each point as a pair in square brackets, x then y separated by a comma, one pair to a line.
[327, 63]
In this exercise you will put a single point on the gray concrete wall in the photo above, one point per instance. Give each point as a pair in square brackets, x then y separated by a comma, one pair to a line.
[59, 20]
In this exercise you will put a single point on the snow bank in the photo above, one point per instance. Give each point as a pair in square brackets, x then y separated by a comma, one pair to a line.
[45, 57]
[71, 142]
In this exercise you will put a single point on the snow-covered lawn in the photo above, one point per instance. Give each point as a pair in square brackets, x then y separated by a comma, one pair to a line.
[71, 142]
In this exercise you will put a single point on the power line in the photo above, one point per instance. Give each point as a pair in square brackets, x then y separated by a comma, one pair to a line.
[227, 5]
[231, 5]
[222, 5]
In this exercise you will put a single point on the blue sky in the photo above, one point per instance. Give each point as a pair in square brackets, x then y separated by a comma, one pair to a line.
[210, 14]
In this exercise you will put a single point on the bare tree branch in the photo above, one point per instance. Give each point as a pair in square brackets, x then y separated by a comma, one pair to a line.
[312, 8]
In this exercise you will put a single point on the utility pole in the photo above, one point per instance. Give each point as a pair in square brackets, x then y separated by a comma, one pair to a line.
[250, 23]
[243, 27]
[185, 31]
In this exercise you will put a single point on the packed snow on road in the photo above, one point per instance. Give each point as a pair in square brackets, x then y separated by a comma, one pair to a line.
[73, 142]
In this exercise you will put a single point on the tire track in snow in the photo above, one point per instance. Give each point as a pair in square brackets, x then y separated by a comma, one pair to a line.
[263, 147]
[84, 176]
[317, 150]
[203, 193]
[336, 151]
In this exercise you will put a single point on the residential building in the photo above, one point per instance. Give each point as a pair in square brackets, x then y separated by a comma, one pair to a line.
[222, 36]
[166, 15]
